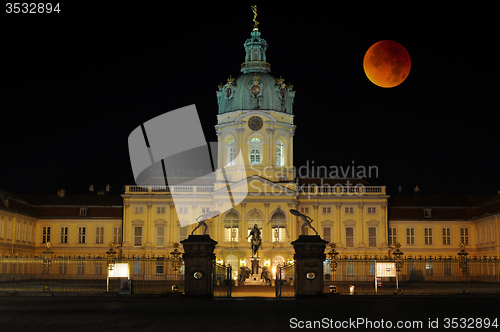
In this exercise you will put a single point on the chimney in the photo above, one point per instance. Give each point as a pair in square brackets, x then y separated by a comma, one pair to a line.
[61, 193]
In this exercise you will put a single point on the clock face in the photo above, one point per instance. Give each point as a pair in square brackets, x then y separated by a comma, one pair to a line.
[255, 123]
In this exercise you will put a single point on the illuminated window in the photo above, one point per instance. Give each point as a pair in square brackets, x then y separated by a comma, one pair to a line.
[138, 236]
[99, 235]
[45, 234]
[372, 236]
[410, 236]
[464, 235]
[350, 268]
[280, 160]
[64, 235]
[231, 227]
[429, 268]
[81, 234]
[255, 151]
[446, 236]
[231, 153]
[183, 232]
[428, 235]
[392, 235]
[278, 227]
[349, 237]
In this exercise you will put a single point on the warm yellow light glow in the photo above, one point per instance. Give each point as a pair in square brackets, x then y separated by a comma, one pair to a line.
[386, 269]
[120, 270]
[243, 262]
[220, 261]
[267, 262]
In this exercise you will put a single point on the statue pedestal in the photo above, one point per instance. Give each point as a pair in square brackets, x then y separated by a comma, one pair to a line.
[199, 261]
[309, 257]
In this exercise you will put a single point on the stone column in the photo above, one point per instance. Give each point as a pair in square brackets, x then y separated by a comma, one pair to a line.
[199, 261]
[309, 257]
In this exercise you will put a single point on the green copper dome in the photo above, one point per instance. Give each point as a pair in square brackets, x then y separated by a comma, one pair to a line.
[255, 88]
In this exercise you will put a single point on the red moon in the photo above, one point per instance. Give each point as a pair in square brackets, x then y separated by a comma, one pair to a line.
[387, 63]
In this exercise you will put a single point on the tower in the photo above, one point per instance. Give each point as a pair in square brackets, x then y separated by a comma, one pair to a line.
[256, 119]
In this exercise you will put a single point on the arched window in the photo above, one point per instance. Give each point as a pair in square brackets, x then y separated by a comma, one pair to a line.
[278, 227]
[280, 160]
[254, 218]
[231, 227]
[230, 153]
[255, 151]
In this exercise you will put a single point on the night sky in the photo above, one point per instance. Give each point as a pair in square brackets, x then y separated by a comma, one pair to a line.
[75, 84]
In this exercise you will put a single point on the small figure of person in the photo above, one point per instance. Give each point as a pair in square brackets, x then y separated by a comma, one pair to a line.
[201, 220]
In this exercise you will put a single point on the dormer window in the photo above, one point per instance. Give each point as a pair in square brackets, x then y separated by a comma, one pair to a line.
[427, 213]
[83, 211]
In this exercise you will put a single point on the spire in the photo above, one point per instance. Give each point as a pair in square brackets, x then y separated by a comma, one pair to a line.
[255, 50]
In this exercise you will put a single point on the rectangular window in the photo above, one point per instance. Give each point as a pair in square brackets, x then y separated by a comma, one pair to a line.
[138, 209]
[392, 235]
[1, 228]
[205, 209]
[98, 268]
[80, 268]
[429, 269]
[350, 268]
[327, 210]
[117, 235]
[183, 233]
[45, 234]
[25, 231]
[372, 210]
[160, 236]
[446, 235]
[464, 236]
[348, 210]
[161, 210]
[18, 231]
[83, 212]
[183, 210]
[160, 265]
[428, 235]
[99, 235]
[327, 234]
[138, 236]
[304, 210]
[64, 235]
[81, 234]
[410, 236]
[231, 234]
[372, 237]
[63, 268]
[349, 237]
[137, 269]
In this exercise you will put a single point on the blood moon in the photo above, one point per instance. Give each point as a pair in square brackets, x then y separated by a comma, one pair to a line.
[387, 63]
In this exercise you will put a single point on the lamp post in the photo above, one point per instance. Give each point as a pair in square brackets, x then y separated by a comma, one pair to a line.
[397, 257]
[463, 258]
[47, 257]
[110, 262]
[175, 264]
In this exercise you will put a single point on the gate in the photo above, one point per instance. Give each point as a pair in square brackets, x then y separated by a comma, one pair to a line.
[286, 281]
[221, 280]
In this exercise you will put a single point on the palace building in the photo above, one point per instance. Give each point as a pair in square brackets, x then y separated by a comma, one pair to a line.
[255, 117]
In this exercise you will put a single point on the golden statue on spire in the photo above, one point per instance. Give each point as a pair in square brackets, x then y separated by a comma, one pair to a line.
[255, 23]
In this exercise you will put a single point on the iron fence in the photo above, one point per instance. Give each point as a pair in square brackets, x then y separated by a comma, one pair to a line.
[148, 275]
[285, 281]
[424, 275]
[222, 281]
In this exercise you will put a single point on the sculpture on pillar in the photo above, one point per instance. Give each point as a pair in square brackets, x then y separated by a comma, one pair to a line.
[306, 219]
[256, 240]
[203, 217]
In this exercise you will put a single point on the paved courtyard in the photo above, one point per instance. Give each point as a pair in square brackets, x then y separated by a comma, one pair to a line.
[91, 313]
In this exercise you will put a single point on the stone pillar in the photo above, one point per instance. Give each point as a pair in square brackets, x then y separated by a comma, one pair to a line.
[309, 257]
[199, 260]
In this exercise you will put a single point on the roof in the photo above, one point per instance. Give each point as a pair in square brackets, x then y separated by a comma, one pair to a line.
[68, 206]
[442, 207]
